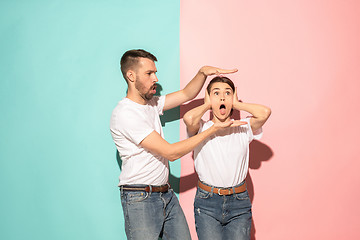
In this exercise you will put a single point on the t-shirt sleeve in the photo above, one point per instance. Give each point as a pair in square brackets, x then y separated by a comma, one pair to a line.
[161, 104]
[253, 135]
[158, 102]
[134, 127]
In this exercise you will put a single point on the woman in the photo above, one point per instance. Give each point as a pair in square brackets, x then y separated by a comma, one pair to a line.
[222, 206]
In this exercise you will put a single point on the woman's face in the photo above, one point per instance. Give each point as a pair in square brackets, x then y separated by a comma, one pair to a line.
[221, 98]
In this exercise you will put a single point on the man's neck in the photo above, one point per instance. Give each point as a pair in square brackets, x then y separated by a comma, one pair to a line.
[136, 98]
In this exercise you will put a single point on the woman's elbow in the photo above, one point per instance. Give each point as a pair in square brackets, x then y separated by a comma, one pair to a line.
[267, 112]
[188, 119]
[264, 115]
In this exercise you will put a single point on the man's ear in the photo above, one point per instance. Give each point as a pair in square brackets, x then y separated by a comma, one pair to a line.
[130, 74]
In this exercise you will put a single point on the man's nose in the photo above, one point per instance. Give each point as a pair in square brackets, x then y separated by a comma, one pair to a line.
[155, 79]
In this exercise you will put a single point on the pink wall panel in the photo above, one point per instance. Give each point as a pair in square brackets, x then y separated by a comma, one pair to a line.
[301, 58]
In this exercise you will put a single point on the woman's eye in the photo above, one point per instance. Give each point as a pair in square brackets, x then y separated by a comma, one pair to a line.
[227, 93]
[216, 93]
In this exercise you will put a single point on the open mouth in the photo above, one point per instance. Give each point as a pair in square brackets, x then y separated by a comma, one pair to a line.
[154, 88]
[222, 109]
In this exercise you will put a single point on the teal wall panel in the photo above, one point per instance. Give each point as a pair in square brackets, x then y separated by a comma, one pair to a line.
[59, 81]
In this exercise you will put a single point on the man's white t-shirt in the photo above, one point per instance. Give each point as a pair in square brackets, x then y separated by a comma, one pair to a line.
[130, 123]
[222, 160]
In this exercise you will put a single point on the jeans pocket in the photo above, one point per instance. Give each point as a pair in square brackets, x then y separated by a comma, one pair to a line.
[133, 197]
[202, 194]
[242, 196]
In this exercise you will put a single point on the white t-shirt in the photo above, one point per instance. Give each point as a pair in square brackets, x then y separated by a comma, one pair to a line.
[222, 160]
[130, 123]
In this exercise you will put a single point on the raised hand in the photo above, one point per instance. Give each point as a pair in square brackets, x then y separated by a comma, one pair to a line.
[208, 70]
[235, 97]
[207, 101]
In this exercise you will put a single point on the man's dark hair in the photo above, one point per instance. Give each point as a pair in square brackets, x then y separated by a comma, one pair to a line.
[131, 59]
[220, 79]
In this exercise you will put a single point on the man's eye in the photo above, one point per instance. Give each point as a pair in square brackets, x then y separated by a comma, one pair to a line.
[227, 93]
[216, 93]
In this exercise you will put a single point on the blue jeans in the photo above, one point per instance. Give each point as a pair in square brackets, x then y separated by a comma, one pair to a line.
[153, 215]
[222, 217]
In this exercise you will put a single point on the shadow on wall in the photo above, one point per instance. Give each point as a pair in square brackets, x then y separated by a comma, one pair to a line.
[259, 152]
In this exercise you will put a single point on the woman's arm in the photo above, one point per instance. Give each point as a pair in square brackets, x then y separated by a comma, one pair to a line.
[260, 113]
[192, 117]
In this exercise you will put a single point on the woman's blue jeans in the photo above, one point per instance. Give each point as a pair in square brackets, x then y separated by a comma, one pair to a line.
[222, 216]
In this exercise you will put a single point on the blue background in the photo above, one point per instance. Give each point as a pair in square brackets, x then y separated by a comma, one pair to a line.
[60, 80]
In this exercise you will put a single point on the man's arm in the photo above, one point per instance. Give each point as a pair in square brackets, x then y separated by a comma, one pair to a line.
[260, 113]
[192, 89]
[159, 146]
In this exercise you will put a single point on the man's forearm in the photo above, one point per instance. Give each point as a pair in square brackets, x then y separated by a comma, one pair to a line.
[179, 149]
[192, 89]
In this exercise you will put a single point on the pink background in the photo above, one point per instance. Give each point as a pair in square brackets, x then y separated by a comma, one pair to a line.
[301, 58]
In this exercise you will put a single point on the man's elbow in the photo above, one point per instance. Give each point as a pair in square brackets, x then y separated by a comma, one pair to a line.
[171, 156]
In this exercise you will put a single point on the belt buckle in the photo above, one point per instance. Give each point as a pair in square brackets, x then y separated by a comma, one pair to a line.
[219, 189]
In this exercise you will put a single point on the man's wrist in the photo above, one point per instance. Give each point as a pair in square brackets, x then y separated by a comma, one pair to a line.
[202, 72]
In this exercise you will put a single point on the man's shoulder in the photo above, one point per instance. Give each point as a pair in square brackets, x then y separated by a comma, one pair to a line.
[156, 100]
[119, 108]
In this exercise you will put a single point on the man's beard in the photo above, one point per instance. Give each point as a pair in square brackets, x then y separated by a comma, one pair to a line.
[148, 95]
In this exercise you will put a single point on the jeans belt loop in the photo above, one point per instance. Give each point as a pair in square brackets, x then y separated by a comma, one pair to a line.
[233, 188]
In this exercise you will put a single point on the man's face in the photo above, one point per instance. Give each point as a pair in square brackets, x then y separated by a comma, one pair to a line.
[146, 78]
[221, 98]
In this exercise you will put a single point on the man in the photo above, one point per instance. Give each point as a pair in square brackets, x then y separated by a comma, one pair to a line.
[151, 209]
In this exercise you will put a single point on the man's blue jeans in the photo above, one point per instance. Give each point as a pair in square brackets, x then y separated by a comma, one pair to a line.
[150, 215]
[222, 217]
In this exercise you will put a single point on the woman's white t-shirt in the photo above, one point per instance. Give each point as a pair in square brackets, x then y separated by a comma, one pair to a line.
[222, 160]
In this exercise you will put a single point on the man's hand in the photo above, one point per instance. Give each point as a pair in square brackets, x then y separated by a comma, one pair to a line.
[232, 123]
[192, 89]
[208, 71]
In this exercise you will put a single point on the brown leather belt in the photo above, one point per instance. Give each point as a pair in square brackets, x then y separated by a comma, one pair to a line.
[162, 188]
[222, 191]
